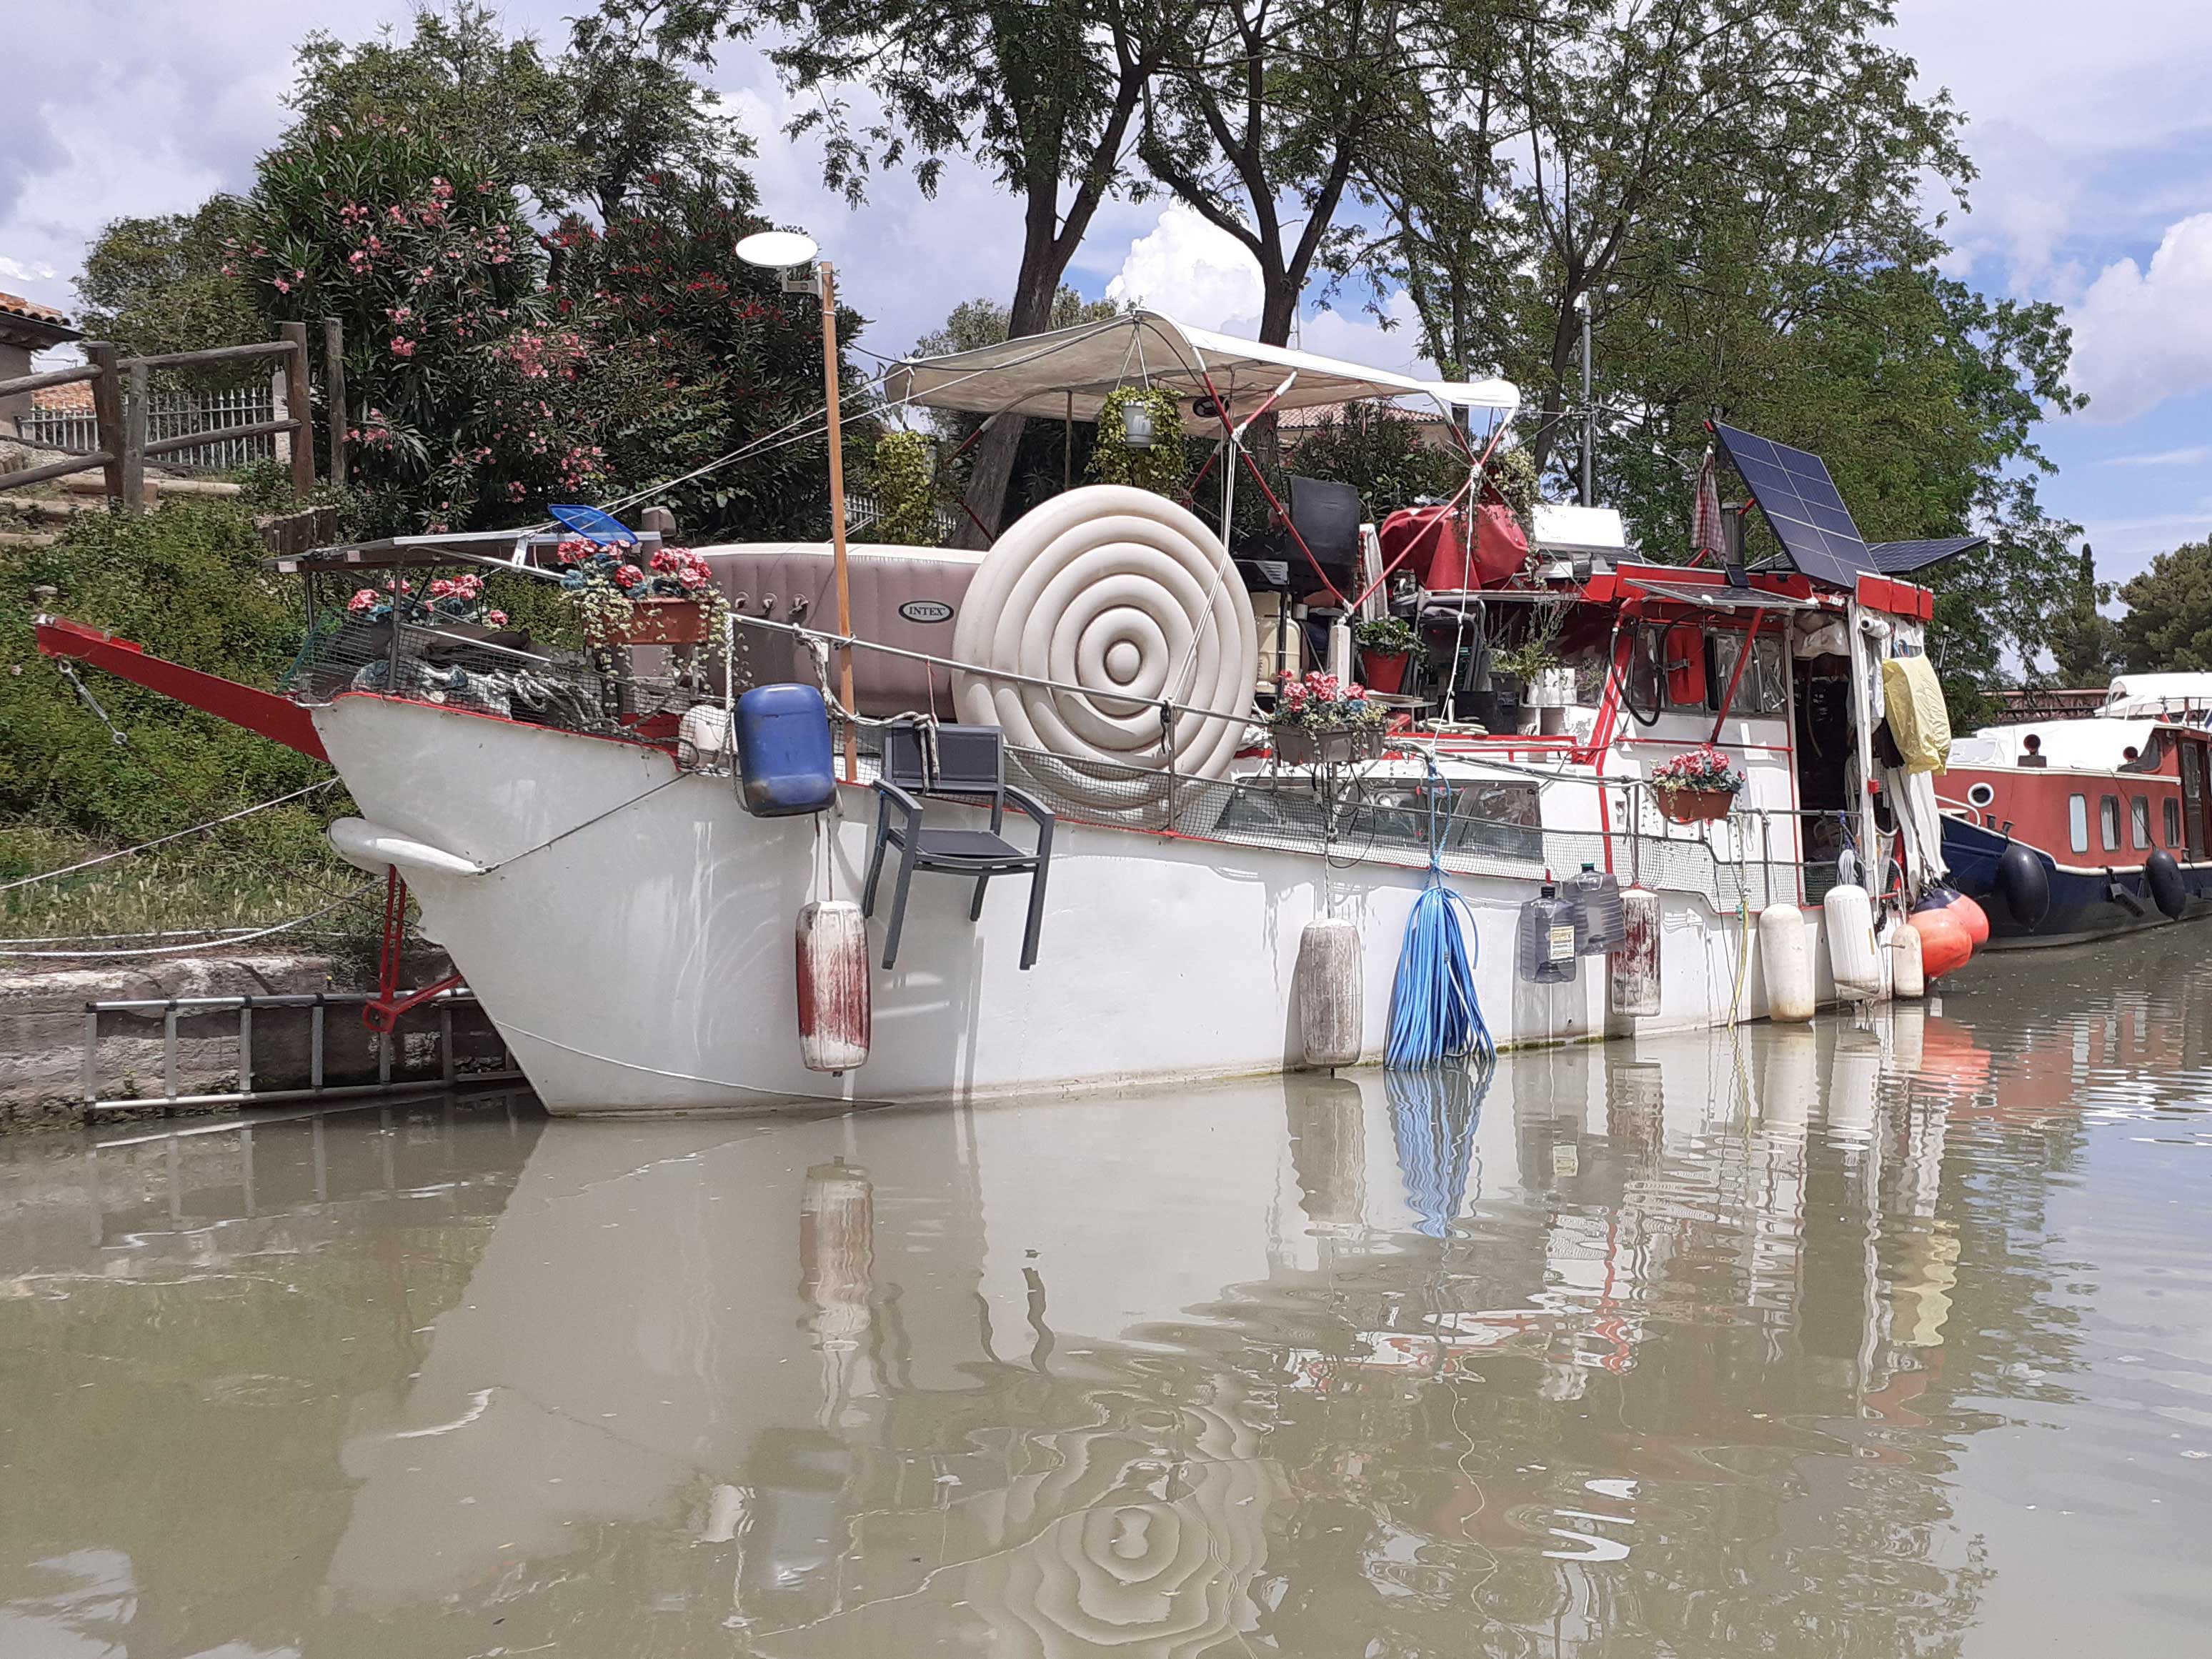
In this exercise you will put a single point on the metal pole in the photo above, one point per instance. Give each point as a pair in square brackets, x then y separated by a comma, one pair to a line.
[334, 396]
[1068, 446]
[245, 1046]
[1589, 408]
[169, 1052]
[837, 521]
[91, 1052]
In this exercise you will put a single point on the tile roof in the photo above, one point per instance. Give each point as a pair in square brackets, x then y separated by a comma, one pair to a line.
[73, 399]
[45, 319]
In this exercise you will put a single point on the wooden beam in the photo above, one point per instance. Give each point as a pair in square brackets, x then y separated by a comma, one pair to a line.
[194, 439]
[217, 354]
[302, 398]
[334, 396]
[134, 441]
[21, 384]
[107, 412]
[61, 469]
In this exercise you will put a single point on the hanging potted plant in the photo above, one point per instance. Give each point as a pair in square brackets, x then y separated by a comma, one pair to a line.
[1386, 646]
[1141, 439]
[1697, 787]
[670, 599]
[1320, 720]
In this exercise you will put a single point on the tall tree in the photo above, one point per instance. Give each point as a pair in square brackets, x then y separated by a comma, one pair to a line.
[2084, 642]
[2168, 622]
[168, 284]
[1672, 143]
[638, 108]
[1259, 119]
[1044, 95]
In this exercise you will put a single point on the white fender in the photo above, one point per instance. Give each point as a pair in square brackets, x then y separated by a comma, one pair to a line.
[1905, 976]
[835, 1013]
[1786, 957]
[1852, 957]
[1635, 965]
[1328, 993]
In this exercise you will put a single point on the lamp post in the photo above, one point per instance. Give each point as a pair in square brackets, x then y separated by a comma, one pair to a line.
[788, 251]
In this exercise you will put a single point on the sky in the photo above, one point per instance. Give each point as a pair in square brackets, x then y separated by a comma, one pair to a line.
[2087, 123]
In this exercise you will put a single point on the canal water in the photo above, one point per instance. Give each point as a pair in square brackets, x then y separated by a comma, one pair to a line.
[1873, 1339]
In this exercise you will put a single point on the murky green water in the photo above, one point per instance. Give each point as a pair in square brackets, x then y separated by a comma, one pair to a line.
[1874, 1340]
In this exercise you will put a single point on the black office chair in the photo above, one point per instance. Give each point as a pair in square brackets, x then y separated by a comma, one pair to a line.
[969, 765]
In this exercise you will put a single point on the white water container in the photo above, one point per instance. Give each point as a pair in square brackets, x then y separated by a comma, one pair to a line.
[1852, 955]
[1785, 955]
[1328, 988]
[1635, 963]
[833, 1013]
[1905, 977]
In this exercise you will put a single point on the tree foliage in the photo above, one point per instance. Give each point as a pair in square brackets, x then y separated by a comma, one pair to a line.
[2168, 624]
[163, 284]
[2085, 643]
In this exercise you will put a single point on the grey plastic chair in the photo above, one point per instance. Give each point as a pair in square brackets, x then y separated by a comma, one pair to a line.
[971, 765]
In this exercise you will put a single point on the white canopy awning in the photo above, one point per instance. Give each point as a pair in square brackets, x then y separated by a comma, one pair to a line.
[1070, 371]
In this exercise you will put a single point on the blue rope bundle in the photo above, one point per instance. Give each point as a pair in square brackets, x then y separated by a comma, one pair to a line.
[1434, 1016]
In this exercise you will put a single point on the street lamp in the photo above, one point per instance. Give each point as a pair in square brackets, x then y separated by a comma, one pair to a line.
[794, 255]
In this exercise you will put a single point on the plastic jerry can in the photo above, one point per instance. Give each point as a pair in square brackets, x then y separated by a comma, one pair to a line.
[786, 765]
[1546, 952]
[1598, 925]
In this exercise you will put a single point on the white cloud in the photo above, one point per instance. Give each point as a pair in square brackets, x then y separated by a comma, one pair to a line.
[2144, 334]
[17, 271]
[2194, 455]
[1194, 272]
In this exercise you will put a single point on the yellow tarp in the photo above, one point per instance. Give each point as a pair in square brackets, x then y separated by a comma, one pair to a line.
[1918, 718]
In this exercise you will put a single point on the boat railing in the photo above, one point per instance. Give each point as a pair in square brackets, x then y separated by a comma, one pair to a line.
[1494, 816]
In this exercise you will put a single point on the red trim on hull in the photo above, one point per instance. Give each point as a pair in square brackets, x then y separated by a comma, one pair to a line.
[278, 718]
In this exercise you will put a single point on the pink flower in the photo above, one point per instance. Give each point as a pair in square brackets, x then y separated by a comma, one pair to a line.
[629, 575]
[282, 286]
[362, 600]
[692, 577]
[401, 347]
[496, 618]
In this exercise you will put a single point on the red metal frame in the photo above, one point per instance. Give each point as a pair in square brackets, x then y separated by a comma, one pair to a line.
[278, 718]
[383, 1014]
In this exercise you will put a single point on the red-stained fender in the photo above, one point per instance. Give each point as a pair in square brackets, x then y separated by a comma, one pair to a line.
[278, 718]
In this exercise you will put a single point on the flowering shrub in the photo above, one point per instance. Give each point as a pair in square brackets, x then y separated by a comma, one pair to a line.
[1704, 770]
[1321, 701]
[446, 599]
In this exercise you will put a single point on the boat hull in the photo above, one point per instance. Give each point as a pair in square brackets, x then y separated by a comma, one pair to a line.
[2086, 904]
[631, 934]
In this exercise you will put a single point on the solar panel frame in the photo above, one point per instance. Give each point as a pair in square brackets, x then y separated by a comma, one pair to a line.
[1801, 506]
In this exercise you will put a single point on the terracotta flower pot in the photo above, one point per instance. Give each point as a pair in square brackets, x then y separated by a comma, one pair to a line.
[1695, 805]
[664, 622]
[1385, 671]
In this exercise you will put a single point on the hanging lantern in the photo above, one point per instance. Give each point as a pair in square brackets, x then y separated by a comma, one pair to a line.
[1137, 426]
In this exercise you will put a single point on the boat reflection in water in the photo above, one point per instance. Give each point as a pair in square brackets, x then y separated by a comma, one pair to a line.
[1692, 1345]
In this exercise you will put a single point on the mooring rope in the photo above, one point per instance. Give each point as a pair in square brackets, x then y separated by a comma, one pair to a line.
[161, 840]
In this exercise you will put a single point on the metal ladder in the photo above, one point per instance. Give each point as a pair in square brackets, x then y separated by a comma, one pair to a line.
[316, 1004]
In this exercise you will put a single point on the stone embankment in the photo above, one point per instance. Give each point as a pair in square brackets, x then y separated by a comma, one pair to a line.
[42, 1028]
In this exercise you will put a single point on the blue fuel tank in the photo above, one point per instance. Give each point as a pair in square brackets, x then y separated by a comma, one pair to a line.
[786, 765]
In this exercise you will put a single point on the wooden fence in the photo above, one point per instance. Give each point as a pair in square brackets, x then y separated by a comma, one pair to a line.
[122, 405]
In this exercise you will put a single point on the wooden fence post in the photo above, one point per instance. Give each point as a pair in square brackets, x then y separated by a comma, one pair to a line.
[134, 441]
[108, 411]
[300, 407]
[334, 396]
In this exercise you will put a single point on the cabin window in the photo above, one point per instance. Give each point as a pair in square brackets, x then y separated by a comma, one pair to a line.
[1762, 691]
[1979, 794]
[2139, 821]
[2172, 822]
[2077, 822]
[2108, 821]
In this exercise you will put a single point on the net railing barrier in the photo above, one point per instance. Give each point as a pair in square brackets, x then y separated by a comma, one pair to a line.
[1490, 823]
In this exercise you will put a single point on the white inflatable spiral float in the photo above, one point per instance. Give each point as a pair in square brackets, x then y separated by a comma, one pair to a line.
[1131, 598]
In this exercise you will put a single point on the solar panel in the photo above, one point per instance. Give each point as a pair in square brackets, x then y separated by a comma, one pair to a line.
[1793, 490]
[594, 526]
[1903, 558]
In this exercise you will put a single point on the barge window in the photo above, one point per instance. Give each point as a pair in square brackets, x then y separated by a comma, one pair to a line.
[2077, 822]
[1763, 689]
[2108, 821]
[2139, 821]
[2172, 822]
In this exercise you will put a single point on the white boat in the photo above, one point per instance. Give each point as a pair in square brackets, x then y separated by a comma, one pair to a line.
[627, 923]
